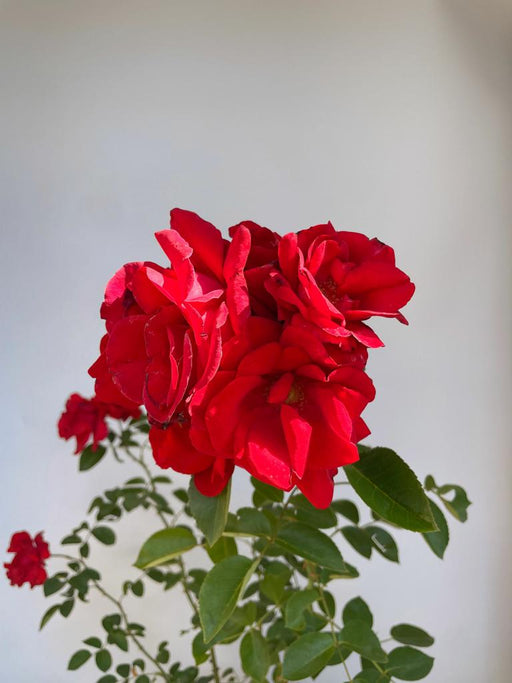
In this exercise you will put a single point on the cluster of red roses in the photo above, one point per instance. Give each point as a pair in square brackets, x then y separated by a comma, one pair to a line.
[249, 352]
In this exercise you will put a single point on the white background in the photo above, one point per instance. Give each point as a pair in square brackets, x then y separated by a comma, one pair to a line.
[392, 118]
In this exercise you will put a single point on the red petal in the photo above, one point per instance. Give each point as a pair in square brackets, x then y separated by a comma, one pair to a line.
[205, 240]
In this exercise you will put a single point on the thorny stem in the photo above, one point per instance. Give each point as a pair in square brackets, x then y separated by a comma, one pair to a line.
[333, 630]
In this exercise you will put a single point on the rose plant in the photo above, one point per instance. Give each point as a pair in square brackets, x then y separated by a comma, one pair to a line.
[251, 353]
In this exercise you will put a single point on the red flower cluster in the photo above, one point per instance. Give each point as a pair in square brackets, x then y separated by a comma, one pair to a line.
[250, 352]
[84, 418]
[28, 562]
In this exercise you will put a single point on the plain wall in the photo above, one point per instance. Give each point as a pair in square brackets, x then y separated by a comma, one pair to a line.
[391, 118]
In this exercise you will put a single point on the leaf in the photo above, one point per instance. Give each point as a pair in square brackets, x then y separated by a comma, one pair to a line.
[254, 655]
[66, 607]
[221, 590]
[266, 491]
[164, 545]
[274, 580]
[90, 457]
[48, 615]
[387, 485]
[52, 585]
[358, 539]
[411, 635]
[249, 522]
[103, 660]
[311, 544]
[383, 542]
[409, 664]
[307, 655]
[93, 641]
[109, 678]
[104, 534]
[199, 649]
[357, 609]
[118, 638]
[224, 547]
[309, 514]
[458, 505]
[370, 676]
[78, 659]
[210, 512]
[295, 606]
[138, 588]
[346, 508]
[359, 636]
[438, 540]
[123, 670]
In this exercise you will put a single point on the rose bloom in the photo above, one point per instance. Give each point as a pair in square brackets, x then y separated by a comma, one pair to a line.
[336, 280]
[27, 565]
[84, 419]
[165, 326]
[274, 411]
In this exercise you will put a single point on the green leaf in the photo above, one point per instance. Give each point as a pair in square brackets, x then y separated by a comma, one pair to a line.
[358, 539]
[111, 622]
[164, 545]
[458, 505]
[78, 659]
[199, 649]
[307, 655]
[309, 514]
[103, 660]
[210, 512]
[371, 676]
[357, 609]
[383, 542]
[138, 588]
[296, 604]
[109, 678]
[142, 679]
[93, 642]
[104, 534]
[48, 615]
[52, 585]
[89, 458]
[118, 638]
[359, 636]
[225, 547]
[274, 580]
[411, 635]
[221, 590]
[123, 670]
[387, 485]
[249, 522]
[438, 540]
[311, 544]
[266, 491]
[409, 664]
[66, 607]
[254, 655]
[346, 508]
[71, 539]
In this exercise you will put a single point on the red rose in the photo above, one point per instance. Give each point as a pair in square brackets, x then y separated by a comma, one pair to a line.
[335, 280]
[165, 325]
[278, 414]
[28, 562]
[84, 418]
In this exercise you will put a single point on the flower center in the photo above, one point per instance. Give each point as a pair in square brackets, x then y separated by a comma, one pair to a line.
[296, 395]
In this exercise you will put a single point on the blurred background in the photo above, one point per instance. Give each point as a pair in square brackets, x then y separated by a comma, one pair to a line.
[390, 118]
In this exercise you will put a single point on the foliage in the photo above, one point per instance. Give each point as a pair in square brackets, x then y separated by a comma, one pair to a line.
[269, 589]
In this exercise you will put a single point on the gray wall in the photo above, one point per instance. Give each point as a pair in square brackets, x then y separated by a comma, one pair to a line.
[392, 118]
